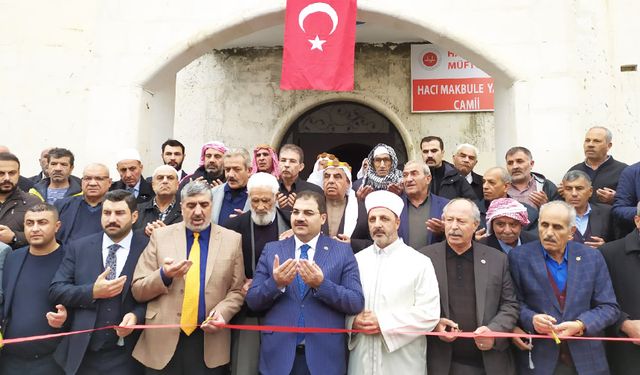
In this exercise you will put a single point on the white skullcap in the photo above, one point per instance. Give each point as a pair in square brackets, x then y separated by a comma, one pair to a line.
[380, 150]
[129, 154]
[386, 199]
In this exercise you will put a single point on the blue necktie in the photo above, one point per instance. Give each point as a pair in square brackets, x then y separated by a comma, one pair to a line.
[111, 261]
[302, 289]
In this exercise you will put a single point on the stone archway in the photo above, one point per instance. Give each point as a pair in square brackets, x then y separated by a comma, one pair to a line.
[346, 129]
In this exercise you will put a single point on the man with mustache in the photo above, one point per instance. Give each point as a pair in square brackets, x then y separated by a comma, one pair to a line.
[592, 219]
[526, 186]
[230, 198]
[80, 215]
[400, 291]
[422, 209]
[94, 282]
[60, 183]
[164, 208]
[173, 154]
[130, 169]
[264, 223]
[465, 159]
[24, 183]
[191, 274]
[265, 160]
[13, 202]
[26, 310]
[506, 219]
[346, 215]
[447, 182]
[307, 280]
[211, 168]
[291, 164]
[564, 289]
[476, 295]
[603, 170]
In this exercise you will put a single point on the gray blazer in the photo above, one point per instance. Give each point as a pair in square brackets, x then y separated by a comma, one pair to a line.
[218, 197]
[496, 307]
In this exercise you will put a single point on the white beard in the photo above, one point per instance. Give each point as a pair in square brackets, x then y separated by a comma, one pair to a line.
[264, 219]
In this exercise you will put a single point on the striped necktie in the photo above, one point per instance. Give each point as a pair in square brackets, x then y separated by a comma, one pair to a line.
[189, 316]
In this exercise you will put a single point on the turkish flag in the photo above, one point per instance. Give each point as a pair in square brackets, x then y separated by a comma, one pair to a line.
[319, 44]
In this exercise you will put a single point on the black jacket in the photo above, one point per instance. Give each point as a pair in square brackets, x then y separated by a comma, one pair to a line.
[606, 176]
[147, 213]
[453, 184]
[145, 194]
[12, 214]
[492, 240]
[201, 172]
[623, 261]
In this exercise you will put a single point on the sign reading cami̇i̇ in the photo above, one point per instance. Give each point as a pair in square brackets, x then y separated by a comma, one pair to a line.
[442, 81]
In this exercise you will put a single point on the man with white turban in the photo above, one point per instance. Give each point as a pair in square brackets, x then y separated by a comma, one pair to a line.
[401, 297]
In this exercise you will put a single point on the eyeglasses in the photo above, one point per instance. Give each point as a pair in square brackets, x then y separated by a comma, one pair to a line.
[94, 178]
[307, 213]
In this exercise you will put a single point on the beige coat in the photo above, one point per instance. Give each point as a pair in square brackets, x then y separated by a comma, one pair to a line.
[224, 275]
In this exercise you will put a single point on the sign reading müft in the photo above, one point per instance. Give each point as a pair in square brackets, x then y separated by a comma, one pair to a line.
[319, 44]
[442, 81]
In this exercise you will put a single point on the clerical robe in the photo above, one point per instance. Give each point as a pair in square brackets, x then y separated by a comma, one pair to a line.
[401, 288]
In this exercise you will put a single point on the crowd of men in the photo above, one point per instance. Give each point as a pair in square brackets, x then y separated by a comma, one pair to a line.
[399, 251]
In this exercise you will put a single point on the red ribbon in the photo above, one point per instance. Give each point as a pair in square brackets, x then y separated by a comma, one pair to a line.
[288, 329]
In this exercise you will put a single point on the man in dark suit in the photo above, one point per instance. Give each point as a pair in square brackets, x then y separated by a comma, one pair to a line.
[316, 285]
[130, 169]
[476, 294]
[291, 164]
[422, 209]
[94, 281]
[592, 219]
[564, 289]
[173, 154]
[505, 219]
[465, 159]
[164, 208]
[623, 261]
[80, 215]
[26, 279]
[264, 223]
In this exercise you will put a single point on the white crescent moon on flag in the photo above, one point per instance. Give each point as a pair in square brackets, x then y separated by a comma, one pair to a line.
[315, 8]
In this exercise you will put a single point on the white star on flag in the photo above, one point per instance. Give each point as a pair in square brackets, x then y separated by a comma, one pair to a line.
[316, 43]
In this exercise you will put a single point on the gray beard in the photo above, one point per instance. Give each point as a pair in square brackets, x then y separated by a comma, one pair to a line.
[262, 220]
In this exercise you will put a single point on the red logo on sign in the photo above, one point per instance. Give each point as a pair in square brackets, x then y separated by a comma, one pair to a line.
[430, 59]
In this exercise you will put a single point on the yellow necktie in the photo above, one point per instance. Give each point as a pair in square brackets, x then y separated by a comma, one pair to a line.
[189, 317]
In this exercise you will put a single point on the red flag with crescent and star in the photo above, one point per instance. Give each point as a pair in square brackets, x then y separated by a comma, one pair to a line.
[319, 45]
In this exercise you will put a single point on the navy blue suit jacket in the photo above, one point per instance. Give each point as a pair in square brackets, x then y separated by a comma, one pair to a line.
[72, 286]
[435, 211]
[590, 299]
[339, 294]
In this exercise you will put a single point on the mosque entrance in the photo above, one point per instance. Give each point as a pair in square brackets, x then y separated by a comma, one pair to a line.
[348, 130]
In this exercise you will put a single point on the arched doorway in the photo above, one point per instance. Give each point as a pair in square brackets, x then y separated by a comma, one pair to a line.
[346, 129]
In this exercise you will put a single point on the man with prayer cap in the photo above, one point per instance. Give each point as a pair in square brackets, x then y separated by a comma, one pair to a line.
[401, 294]
[211, 168]
[346, 215]
[505, 219]
[265, 160]
[383, 174]
[130, 168]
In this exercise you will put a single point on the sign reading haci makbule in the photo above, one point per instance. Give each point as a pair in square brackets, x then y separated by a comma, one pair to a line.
[442, 81]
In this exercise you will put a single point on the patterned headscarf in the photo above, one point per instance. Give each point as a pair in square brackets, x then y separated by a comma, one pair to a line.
[393, 177]
[506, 207]
[275, 165]
[218, 146]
